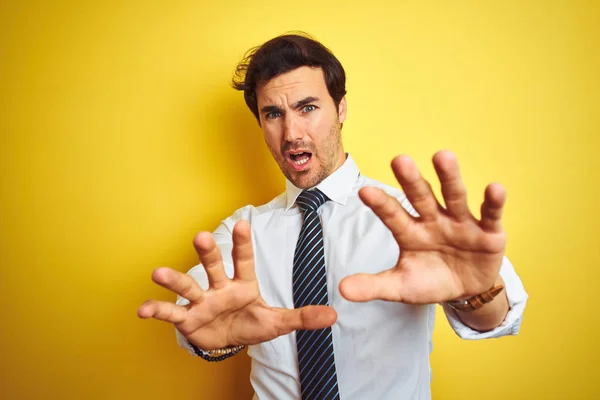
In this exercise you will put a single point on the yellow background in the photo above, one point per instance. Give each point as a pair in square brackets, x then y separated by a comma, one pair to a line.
[120, 139]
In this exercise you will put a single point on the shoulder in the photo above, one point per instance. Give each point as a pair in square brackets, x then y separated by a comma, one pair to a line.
[250, 211]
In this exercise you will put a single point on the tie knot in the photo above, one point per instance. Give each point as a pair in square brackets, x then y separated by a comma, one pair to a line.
[311, 200]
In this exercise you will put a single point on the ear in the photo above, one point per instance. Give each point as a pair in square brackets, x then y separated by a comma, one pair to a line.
[342, 109]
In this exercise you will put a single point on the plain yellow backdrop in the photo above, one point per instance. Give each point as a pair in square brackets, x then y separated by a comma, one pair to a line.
[120, 139]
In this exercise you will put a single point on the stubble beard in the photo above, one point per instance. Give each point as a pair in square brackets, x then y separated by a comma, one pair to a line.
[328, 157]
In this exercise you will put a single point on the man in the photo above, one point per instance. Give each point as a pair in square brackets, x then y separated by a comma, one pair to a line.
[333, 284]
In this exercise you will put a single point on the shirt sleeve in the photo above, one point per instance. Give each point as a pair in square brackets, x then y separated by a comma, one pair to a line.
[224, 240]
[517, 299]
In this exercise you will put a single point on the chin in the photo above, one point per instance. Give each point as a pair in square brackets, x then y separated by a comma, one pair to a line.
[301, 181]
[307, 181]
[303, 186]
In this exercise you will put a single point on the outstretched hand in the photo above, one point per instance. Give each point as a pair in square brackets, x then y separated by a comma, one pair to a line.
[231, 311]
[445, 253]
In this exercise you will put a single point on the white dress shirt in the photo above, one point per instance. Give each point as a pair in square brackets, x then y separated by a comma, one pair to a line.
[381, 348]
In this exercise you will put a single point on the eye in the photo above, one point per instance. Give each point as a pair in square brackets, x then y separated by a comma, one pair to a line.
[273, 115]
[309, 108]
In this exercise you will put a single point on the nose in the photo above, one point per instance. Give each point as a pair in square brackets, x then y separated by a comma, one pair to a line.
[292, 131]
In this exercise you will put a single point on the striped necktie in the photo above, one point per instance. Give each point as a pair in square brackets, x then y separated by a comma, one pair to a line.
[318, 379]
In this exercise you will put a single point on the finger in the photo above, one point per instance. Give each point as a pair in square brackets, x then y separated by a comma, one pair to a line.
[492, 208]
[453, 188]
[388, 209]
[211, 259]
[180, 283]
[305, 318]
[367, 287]
[162, 311]
[243, 255]
[417, 190]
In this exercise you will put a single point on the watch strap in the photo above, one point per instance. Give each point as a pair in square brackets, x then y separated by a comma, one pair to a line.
[216, 355]
[476, 302]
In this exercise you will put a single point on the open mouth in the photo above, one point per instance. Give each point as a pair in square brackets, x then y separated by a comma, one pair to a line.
[300, 158]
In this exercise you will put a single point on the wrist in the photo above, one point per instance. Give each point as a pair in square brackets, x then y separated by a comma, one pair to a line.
[218, 354]
[473, 303]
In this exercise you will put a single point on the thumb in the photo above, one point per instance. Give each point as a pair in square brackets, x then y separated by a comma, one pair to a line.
[305, 318]
[367, 287]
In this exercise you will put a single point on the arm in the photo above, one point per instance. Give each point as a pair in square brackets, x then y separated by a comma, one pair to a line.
[516, 297]
[230, 311]
[446, 253]
[489, 316]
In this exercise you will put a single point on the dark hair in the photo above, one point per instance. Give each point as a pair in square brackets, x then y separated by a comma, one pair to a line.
[283, 54]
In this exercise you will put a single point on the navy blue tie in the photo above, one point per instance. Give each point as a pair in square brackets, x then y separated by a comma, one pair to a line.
[318, 378]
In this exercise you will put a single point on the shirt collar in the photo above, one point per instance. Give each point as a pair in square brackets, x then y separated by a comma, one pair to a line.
[336, 186]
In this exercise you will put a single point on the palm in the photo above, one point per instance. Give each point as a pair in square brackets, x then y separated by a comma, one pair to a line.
[445, 253]
[231, 311]
[228, 316]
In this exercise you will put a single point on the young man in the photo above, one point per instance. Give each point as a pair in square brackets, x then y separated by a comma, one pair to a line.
[333, 284]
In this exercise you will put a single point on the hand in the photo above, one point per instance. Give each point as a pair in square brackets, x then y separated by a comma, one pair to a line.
[231, 311]
[445, 253]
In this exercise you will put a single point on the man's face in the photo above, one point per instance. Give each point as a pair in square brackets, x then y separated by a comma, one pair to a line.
[301, 125]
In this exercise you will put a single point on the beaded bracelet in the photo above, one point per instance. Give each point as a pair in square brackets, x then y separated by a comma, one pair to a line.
[216, 355]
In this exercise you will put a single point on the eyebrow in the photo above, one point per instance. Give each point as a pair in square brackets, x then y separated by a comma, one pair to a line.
[295, 106]
[304, 102]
